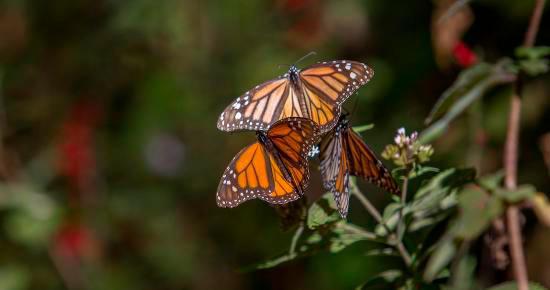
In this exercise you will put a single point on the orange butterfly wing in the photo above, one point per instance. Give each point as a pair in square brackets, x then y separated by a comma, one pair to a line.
[344, 153]
[317, 94]
[327, 85]
[247, 176]
[261, 106]
[335, 169]
[276, 174]
[365, 164]
[293, 139]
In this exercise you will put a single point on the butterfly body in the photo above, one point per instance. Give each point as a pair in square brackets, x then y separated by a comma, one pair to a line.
[274, 168]
[315, 92]
[344, 153]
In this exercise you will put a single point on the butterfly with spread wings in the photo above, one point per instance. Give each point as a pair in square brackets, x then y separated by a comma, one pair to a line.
[274, 168]
[315, 93]
[344, 153]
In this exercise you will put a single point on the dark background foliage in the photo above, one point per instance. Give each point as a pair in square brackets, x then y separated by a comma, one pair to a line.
[110, 157]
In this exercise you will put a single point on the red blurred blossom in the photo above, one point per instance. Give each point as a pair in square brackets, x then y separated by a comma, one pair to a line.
[77, 159]
[464, 55]
[305, 23]
[75, 241]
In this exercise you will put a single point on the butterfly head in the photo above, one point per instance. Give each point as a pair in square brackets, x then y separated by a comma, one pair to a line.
[293, 73]
[343, 123]
[344, 119]
[262, 137]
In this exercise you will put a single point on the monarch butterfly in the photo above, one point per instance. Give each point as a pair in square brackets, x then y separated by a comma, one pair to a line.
[344, 153]
[315, 92]
[274, 168]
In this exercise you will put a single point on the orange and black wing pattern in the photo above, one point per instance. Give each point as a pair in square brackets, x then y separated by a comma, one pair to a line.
[261, 106]
[315, 93]
[365, 164]
[327, 85]
[334, 169]
[248, 175]
[292, 139]
[344, 153]
[274, 169]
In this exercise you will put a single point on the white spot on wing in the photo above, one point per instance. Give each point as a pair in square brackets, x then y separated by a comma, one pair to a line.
[238, 115]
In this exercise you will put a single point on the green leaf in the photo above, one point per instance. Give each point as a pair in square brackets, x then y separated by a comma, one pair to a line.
[431, 201]
[477, 210]
[491, 181]
[450, 178]
[441, 257]
[33, 216]
[322, 212]
[463, 278]
[469, 86]
[420, 170]
[385, 280]
[363, 128]
[519, 194]
[390, 218]
[534, 67]
[512, 285]
[463, 82]
[345, 234]
[382, 252]
[535, 52]
[335, 238]
[420, 223]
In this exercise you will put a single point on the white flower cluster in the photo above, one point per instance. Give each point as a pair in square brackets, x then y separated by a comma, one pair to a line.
[407, 149]
[402, 140]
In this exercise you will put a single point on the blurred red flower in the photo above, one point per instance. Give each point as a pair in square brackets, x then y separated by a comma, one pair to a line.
[464, 55]
[75, 241]
[76, 146]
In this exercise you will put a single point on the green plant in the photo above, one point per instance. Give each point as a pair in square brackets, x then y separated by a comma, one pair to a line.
[442, 211]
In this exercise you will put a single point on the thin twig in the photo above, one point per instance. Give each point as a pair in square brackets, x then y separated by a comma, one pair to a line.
[510, 160]
[295, 238]
[534, 24]
[392, 237]
[404, 190]
[366, 203]
[3, 158]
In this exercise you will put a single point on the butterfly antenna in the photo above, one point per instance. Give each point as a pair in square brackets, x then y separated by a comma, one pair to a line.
[283, 64]
[305, 56]
[354, 106]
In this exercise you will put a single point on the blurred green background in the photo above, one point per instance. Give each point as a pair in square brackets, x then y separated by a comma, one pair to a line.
[110, 157]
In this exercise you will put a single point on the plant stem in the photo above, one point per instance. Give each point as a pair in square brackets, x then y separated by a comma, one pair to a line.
[297, 234]
[534, 24]
[392, 237]
[510, 160]
[404, 189]
[366, 203]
